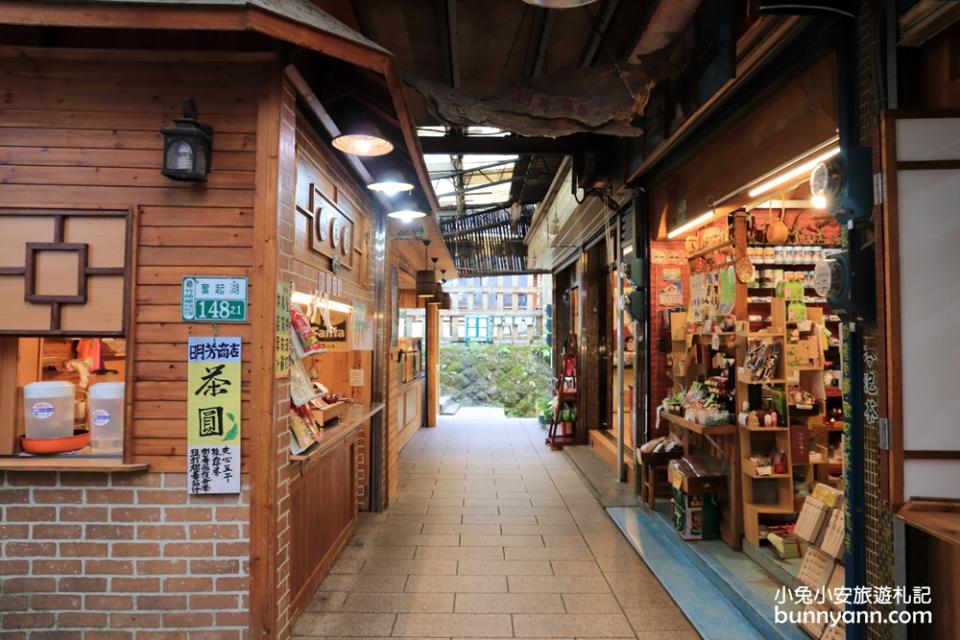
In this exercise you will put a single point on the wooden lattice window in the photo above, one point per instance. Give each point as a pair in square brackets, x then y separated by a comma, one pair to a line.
[64, 271]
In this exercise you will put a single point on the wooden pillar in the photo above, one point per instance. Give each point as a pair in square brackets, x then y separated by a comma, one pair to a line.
[432, 325]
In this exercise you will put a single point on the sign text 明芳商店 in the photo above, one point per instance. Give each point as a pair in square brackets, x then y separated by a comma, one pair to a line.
[213, 415]
[213, 299]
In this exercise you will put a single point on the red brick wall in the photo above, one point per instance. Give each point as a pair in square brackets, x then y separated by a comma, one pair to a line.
[121, 556]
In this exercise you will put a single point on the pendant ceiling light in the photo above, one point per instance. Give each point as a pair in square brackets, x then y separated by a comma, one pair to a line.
[406, 211]
[362, 138]
[427, 285]
[390, 183]
[559, 4]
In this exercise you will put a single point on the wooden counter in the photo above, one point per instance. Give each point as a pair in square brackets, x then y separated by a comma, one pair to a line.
[324, 500]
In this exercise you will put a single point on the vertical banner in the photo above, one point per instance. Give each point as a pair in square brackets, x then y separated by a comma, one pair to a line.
[281, 350]
[213, 415]
[362, 328]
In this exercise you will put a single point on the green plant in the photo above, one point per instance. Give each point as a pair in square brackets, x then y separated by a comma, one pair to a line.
[515, 377]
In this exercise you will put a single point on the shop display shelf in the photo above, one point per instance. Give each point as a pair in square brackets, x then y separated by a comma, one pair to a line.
[770, 476]
[764, 429]
[689, 425]
[746, 380]
[770, 508]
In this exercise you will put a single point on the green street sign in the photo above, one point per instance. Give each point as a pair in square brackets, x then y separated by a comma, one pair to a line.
[213, 299]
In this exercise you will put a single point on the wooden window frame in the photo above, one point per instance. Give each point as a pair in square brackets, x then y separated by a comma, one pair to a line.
[128, 314]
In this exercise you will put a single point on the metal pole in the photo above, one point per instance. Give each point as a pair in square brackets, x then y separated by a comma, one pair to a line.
[618, 254]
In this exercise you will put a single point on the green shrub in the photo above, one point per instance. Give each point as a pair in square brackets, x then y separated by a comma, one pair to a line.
[515, 377]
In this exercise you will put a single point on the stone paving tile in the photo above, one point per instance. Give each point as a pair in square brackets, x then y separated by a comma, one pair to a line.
[344, 624]
[363, 583]
[591, 603]
[418, 540]
[399, 603]
[667, 618]
[455, 625]
[469, 540]
[456, 584]
[505, 568]
[472, 518]
[494, 536]
[411, 567]
[558, 584]
[382, 553]
[327, 601]
[575, 568]
[459, 553]
[547, 553]
[475, 529]
[508, 603]
[583, 625]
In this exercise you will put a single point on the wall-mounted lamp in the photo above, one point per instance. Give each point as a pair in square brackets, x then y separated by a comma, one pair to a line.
[362, 138]
[390, 183]
[187, 146]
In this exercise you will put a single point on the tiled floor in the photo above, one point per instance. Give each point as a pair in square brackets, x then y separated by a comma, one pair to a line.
[492, 536]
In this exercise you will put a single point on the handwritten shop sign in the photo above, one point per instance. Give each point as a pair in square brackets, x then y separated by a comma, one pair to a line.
[213, 299]
[213, 415]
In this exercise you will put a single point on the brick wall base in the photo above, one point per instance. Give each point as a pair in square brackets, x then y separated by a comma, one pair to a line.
[91, 556]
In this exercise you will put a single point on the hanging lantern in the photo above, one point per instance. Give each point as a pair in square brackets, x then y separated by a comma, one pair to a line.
[427, 285]
[446, 301]
[187, 146]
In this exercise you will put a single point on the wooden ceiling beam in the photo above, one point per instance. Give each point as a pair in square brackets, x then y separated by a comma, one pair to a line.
[449, 40]
[323, 117]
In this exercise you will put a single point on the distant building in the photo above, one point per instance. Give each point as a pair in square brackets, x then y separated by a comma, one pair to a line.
[501, 309]
[504, 309]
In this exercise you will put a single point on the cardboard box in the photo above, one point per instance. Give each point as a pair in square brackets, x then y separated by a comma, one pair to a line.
[787, 546]
[827, 495]
[681, 476]
[696, 517]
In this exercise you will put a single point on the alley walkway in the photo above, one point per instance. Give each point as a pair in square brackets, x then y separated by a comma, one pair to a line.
[494, 536]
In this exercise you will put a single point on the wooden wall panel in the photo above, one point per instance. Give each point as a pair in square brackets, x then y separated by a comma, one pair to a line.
[86, 134]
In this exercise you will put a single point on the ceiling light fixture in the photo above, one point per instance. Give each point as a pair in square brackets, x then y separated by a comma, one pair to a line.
[390, 183]
[703, 218]
[796, 172]
[406, 211]
[362, 138]
[819, 202]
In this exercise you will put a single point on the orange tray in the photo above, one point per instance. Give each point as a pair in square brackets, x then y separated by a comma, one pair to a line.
[50, 446]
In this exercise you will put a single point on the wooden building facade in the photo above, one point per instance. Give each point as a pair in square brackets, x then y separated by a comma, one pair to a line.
[119, 545]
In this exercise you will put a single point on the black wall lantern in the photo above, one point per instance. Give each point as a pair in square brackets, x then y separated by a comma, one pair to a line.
[187, 146]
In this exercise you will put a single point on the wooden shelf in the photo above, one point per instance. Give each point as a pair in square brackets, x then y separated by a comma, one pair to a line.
[762, 429]
[70, 463]
[354, 417]
[709, 250]
[770, 508]
[770, 476]
[940, 519]
[745, 380]
[683, 423]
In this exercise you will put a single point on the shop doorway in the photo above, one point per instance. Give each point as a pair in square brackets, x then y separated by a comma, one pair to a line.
[495, 351]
